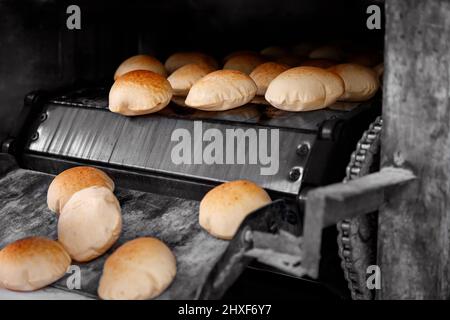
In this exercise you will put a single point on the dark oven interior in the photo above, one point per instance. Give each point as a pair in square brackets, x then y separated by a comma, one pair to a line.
[39, 52]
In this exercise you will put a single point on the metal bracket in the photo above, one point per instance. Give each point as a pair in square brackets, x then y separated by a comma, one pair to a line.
[260, 236]
[328, 205]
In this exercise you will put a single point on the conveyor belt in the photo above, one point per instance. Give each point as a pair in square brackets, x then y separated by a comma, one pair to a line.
[24, 212]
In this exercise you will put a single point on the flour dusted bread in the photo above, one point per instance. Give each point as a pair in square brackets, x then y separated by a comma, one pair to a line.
[183, 78]
[244, 63]
[304, 89]
[140, 269]
[223, 209]
[65, 184]
[179, 59]
[90, 223]
[360, 83]
[221, 90]
[140, 62]
[32, 263]
[264, 74]
[139, 92]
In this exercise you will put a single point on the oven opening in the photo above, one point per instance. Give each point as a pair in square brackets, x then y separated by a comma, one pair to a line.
[190, 114]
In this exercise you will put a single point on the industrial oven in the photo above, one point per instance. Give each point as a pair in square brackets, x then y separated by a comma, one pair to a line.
[55, 116]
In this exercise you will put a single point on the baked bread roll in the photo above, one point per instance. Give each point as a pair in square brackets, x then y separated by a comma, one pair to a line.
[140, 269]
[139, 92]
[327, 52]
[72, 180]
[264, 74]
[223, 208]
[179, 59]
[32, 263]
[360, 83]
[244, 63]
[304, 89]
[140, 62]
[183, 78]
[319, 63]
[221, 90]
[90, 223]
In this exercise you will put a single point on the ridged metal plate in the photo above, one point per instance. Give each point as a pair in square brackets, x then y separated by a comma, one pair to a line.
[144, 143]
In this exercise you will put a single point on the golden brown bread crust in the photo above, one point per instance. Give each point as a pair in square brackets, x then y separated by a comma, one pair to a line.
[265, 73]
[32, 263]
[90, 223]
[65, 184]
[139, 269]
[304, 89]
[139, 92]
[221, 90]
[360, 83]
[223, 208]
[179, 59]
[244, 63]
[184, 77]
[140, 62]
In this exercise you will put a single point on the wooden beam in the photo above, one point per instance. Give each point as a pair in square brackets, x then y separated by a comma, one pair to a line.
[413, 234]
[328, 205]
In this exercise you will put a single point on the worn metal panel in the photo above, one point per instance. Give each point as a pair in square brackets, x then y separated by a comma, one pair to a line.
[145, 143]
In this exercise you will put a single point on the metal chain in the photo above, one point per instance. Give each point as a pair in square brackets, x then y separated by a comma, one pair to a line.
[357, 236]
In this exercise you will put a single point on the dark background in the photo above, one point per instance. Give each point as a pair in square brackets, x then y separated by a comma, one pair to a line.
[37, 51]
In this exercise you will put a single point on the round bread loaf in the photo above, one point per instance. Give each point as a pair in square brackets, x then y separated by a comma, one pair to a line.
[327, 52]
[360, 83]
[223, 209]
[221, 90]
[32, 263]
[264, 74]
[319, 63]
[183, 78]
[304, 89]
[244, 63]
[140, 62]
[90, 223]
[179, 59]
[140, 269]
[139, 92]
[65, 184]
